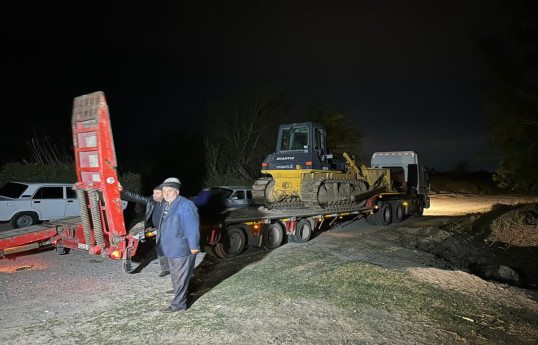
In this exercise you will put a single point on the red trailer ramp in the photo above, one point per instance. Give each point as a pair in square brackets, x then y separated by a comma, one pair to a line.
[97, 190]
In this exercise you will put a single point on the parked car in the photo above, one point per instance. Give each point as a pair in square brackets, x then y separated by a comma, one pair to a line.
[26, 203]
[232, 196]
[236, 196]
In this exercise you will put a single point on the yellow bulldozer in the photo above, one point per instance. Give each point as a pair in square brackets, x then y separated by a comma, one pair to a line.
[302, 173]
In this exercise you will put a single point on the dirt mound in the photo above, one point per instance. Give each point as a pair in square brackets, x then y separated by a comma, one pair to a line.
[500, 245]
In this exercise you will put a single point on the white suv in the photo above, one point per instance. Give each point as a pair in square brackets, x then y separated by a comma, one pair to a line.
[26, 203]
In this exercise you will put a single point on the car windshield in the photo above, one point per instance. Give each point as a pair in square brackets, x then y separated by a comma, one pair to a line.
[13, 190]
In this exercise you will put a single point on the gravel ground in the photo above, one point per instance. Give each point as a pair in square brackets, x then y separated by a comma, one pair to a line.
[354, 284]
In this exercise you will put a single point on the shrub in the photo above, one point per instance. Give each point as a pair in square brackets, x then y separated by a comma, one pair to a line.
[39, 172]
[470, 182]
[57, 172]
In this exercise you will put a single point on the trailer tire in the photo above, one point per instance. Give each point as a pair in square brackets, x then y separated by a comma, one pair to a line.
[210, 250]
[383, 216]
[398, 212]
[303, 231]
[272, 236]
[23, 219]
[232, 243]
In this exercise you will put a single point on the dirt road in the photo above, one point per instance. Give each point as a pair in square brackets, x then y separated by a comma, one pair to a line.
[352, 284]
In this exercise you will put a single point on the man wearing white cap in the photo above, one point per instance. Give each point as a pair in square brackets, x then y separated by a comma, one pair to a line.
[178, 240]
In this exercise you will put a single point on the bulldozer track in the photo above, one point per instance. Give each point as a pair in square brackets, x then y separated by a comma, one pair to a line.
[346, 196]
[258, 190]
[333, 193]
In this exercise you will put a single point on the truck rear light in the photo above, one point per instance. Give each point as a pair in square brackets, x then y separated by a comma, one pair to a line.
[115, 254]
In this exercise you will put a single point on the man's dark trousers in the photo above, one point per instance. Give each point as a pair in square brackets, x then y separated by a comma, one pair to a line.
[163, 261]
[181, 270]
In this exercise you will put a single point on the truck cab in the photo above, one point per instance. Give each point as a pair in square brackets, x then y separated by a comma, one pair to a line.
[410, 186]
[407, 174]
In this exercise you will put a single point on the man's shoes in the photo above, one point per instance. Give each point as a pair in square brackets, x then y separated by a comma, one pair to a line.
[171, 292]
[164, 273]
[171, 310]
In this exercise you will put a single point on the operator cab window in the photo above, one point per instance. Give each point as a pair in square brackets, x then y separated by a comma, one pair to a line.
[319, 140]
[294, 138]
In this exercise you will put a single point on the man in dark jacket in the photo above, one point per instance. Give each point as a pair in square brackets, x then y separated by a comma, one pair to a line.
[178, 239]
[154, 209]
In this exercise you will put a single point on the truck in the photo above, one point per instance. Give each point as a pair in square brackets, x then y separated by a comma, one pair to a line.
[303, 187]
[409, 190]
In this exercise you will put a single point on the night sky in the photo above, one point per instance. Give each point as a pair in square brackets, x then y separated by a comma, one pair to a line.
[407, 73]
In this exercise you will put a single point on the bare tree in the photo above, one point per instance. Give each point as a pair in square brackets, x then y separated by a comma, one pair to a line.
[242, 131]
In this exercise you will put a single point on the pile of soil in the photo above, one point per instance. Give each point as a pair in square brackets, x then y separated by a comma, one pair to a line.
[500, 245]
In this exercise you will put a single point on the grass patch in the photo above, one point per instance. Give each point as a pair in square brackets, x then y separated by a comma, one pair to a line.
[302, 276]
[323, 278]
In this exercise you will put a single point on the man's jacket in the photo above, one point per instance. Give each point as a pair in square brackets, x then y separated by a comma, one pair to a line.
[144, 200]
[179, 232]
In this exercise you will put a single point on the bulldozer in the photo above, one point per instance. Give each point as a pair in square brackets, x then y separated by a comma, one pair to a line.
[302, 173]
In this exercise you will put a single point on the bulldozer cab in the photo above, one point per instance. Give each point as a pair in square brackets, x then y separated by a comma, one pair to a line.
[305, 136]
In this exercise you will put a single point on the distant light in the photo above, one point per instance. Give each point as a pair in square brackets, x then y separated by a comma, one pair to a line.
[264, 164]
[308, 163]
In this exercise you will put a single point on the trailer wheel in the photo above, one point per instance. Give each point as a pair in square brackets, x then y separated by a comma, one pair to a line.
[23, 219]
[273, 236]
[303, 231]
[211, 250]
[383, 216]
[397, 213]
[232, 243]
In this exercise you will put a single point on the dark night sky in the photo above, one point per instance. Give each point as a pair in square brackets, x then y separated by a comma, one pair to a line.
[406, 72]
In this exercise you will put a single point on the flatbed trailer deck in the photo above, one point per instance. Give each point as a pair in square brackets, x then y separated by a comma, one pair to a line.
[258, 226]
